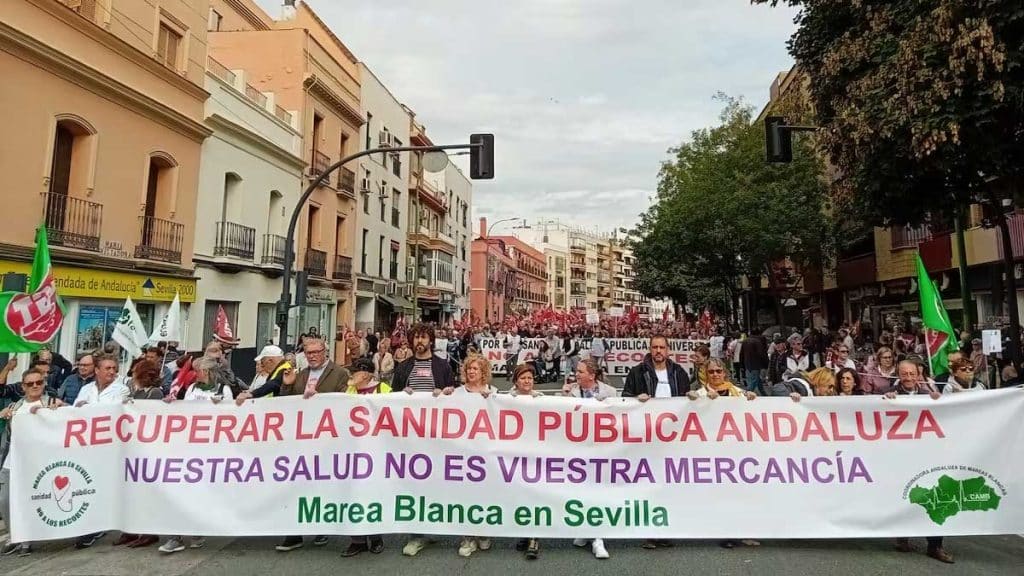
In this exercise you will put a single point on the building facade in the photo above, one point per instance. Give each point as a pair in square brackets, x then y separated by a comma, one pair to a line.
[108, 113]
[383, 218]
[250, 176]
[315, 77]
[527, 282]
[589, 263]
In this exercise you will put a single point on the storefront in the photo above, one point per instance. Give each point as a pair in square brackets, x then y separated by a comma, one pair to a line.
[316, 317]
[94, 298]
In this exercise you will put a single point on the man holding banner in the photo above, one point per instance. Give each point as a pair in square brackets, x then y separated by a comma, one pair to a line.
[657, 376]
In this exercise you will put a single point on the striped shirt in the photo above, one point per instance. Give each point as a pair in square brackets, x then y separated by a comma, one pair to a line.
[422, 377]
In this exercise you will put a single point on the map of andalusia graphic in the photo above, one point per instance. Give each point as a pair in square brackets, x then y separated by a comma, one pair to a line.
[949, 497]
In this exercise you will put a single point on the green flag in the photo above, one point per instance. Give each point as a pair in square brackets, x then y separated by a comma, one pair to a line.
[940, 337]
[32, 319]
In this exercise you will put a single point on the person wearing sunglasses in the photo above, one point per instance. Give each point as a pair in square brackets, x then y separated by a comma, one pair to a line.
[842, 359]
[33, 386]
[718, 384]
[962, 378]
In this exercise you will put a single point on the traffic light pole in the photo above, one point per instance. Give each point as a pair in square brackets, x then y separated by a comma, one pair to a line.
[285, 303]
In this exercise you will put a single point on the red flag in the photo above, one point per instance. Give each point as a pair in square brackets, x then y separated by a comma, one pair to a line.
[222, 327]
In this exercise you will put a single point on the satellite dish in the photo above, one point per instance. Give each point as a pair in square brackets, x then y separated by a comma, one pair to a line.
[435, 161]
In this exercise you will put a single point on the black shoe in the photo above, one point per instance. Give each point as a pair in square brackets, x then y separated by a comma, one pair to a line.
[522, 544]
[533, 549]
[730, 544]
[354, 549]
[320, 541]
[10, 548]
[376, 545]
[290, 543]
[24, 550]
[649, 544]
[88, 540]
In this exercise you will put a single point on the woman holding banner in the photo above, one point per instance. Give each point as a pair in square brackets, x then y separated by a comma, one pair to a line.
[522, 387]
[476, 379]
[718, 385]
[588, 385]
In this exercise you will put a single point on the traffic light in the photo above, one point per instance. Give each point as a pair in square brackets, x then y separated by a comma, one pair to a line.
[778, 140]
[481, 156]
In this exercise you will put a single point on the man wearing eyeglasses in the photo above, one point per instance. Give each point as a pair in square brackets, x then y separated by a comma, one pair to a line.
[33, 384]
[84, 374]
[321, 376]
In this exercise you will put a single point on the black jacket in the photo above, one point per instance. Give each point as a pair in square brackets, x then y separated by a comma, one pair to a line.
[643, 379]
[442, 373]
[754, 353]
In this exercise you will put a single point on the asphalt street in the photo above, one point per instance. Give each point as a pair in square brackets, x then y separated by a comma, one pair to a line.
[991, 556]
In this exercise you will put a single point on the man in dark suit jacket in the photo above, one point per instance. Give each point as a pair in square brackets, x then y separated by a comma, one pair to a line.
[322, 376]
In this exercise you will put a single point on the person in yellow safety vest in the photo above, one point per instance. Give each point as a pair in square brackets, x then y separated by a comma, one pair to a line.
[271, 358]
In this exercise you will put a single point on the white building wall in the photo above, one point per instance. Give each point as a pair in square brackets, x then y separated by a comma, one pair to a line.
[457, 191]
[385, 114]
[260, 151]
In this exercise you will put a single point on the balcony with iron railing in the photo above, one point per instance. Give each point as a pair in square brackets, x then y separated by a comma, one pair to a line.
[346, 181]
[909, 236]
[235, 240]
[316, 262]
[160, 239]
[259, 98]
[283, 115]
[72, 222]
[321, 162]
[342, 268]
[273, 250]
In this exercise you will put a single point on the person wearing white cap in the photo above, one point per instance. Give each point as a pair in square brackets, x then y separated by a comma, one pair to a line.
[271, 359]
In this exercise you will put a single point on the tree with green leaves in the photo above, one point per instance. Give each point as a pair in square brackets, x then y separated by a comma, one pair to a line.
[920, 102]
[920, 105]
[723, 214]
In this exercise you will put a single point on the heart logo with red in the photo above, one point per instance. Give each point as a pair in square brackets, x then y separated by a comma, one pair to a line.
[61, 482]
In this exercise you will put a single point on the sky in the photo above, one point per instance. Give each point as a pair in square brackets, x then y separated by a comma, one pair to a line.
[584, 97]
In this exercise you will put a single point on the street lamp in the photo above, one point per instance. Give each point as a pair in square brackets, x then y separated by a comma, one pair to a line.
[491, 227]
[481, 149]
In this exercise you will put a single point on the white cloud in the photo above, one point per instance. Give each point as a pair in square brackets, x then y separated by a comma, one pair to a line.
[584, 96]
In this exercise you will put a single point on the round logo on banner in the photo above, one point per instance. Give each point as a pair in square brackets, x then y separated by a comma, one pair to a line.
[942, 492]
[61, 493]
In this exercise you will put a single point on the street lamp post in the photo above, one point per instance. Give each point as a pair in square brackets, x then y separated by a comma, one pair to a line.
[285, 303]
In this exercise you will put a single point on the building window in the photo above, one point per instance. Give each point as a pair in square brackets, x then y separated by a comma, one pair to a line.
[210, 317]
[394, 264]
[383, 203]
[96, 324]
[213, 22]
[396, 160]
[266, 325]
[366, 198]
[465, 211]
[369, 130]
[168, 46]
[380, 257]
[362, 261]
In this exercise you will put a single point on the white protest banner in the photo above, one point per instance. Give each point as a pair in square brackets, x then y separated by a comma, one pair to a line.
[992, 341]
[548, 467]
[622, 353]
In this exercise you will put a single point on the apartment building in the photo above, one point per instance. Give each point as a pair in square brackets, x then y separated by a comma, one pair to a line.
[108, 111]
[250, 178]
[383, 217]
[315, 77]
[589, 262]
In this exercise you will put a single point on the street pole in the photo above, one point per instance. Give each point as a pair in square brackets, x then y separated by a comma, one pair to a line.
[285, 303]
[1011, 288]
[961, 256]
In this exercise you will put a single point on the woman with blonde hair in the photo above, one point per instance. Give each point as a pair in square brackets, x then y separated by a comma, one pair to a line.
[718, 384]
[384, 361]
[820, 382]
[476, 379]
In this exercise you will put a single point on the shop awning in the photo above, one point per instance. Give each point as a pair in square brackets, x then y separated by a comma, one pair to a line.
[396, 302]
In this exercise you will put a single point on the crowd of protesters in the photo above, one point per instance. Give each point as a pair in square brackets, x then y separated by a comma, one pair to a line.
[445, 361]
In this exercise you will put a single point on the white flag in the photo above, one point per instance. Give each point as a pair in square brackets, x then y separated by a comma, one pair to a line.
[169, 329]
[129, 331]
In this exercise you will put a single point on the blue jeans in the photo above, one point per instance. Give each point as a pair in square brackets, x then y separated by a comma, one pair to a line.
[754, 382]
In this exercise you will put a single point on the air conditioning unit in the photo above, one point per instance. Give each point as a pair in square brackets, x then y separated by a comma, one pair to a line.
[383, 186]
[364, 186]
[391, 288]
[384, 138]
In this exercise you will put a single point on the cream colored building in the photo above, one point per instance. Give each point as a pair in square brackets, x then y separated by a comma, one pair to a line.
[314, 76]
[250, 176]
[383, 217]
[102, 105]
